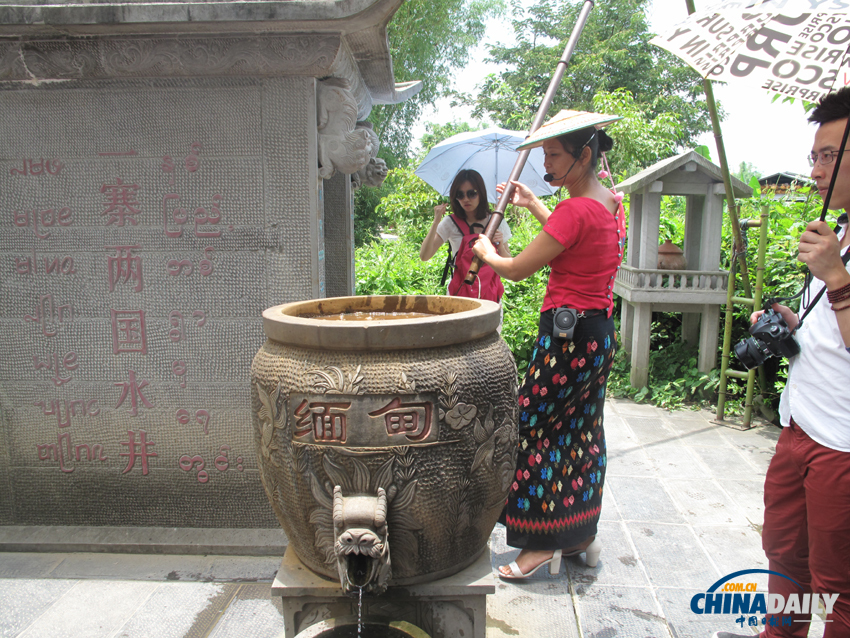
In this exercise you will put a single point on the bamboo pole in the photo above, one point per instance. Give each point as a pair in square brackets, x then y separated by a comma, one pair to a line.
[554, 83]
[737, 238]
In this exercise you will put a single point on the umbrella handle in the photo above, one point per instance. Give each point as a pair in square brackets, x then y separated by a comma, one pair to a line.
[554, 83]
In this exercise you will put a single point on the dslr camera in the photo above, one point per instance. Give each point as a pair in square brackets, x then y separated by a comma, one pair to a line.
[770, 337]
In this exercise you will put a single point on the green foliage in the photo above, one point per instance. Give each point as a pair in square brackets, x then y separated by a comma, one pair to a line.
[436, 133]
[702, 149]
[641, 139]
[671, 225]
[746, 172]
[675, 381]
[613, 52]
[408, 208]
[429, 39]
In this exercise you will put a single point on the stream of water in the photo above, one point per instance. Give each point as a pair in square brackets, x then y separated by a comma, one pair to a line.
[359, 611]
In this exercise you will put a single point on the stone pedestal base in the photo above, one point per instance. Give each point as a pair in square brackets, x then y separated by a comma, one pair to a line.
[445, 608]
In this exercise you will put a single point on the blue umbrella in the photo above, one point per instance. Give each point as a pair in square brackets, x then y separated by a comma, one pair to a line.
[492, 152]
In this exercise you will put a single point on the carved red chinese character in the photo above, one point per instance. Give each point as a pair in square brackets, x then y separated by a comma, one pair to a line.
[133, 389]
[410, 419]
[328, 421]
[138, 451]
[121, 204]
[128, 331]
[124, 267]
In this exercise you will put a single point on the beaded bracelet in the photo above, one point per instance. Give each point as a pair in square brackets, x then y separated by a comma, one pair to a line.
[834, 309]
[841, 294]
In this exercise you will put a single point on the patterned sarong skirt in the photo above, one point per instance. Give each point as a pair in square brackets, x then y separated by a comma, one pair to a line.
[556, 497]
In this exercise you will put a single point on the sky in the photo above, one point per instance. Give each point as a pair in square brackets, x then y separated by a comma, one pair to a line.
[771, 136]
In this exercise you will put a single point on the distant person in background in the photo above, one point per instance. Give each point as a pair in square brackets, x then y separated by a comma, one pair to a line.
[555, 502]
[469, 218]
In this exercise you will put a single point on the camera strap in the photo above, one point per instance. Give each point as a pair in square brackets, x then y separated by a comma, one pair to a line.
[844, 261]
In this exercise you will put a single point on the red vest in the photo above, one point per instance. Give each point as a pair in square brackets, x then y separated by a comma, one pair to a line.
[487, 285]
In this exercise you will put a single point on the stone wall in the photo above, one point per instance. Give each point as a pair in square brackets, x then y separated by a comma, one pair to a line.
[144, 226]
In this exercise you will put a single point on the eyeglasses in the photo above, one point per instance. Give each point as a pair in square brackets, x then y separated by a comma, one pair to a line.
[470, 194]
[825, 157]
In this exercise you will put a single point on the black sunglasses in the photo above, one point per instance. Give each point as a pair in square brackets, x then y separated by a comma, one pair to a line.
[470, 194]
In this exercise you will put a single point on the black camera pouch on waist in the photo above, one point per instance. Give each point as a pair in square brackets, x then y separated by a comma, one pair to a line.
[564, 322]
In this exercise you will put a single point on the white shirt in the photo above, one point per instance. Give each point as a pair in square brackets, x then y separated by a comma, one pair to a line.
[448, 231]
[817, 393]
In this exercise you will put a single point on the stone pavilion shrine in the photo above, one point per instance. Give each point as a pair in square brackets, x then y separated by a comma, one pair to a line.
[697, 291]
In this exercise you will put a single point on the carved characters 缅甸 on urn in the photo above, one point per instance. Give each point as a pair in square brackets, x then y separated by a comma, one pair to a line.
[387, 449]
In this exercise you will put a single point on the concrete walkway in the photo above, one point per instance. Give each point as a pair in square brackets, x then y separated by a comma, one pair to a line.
[682, 508]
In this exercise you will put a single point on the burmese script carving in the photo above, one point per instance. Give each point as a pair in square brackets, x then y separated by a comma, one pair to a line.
[342, 146]
[197, 464]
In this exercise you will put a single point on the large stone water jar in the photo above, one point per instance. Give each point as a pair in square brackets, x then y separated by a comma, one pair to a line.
[386, 433]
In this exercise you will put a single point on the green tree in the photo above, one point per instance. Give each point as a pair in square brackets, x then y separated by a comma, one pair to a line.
[371, 211]
[429, 39]
[613, 52]
[746, 171]
[436, 133]
[640, 138]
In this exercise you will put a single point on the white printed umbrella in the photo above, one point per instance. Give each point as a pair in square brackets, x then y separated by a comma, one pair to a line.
[796, 48]
[492, 152]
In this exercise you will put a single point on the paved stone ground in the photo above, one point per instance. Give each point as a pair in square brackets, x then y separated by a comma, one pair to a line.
[682, 507]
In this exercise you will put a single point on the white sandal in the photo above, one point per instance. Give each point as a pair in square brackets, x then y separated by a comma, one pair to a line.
[516, 574]
[591, 552]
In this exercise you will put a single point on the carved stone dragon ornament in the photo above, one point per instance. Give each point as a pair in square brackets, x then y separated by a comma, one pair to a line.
[342, 145]
[361, 548]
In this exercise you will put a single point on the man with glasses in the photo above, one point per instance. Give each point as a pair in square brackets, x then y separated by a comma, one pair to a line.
[806, 534]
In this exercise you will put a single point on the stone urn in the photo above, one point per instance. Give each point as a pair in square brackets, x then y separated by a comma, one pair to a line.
[671, 257]
[386, 433]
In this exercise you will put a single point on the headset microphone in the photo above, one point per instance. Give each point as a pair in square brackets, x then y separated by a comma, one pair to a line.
[548, 177]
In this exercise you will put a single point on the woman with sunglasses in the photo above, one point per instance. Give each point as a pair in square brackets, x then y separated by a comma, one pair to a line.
[470, 214]
[554, 503]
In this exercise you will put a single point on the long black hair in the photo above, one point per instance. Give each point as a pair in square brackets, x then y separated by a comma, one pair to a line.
[474, 178]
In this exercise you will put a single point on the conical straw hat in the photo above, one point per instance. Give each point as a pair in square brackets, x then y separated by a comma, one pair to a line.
[566, 122]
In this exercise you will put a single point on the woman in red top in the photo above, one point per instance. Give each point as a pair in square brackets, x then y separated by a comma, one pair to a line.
[555, 500]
